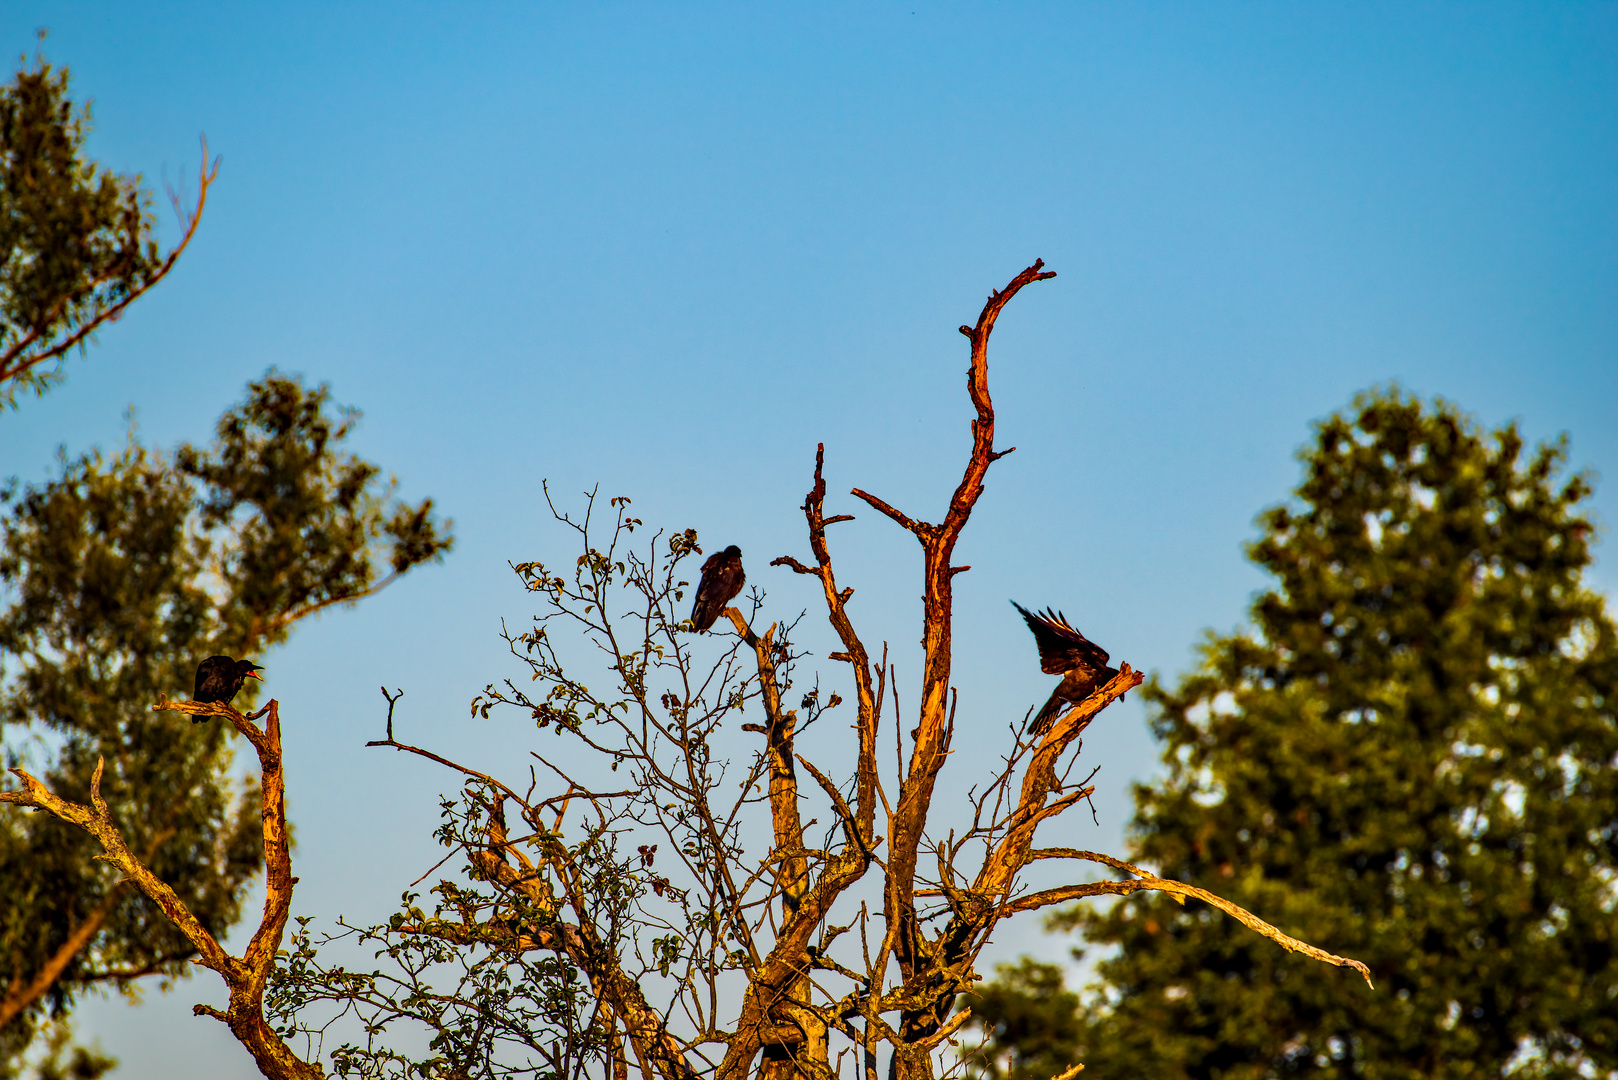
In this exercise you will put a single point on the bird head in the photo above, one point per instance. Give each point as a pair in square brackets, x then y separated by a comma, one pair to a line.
[734, 551]
[249, 670]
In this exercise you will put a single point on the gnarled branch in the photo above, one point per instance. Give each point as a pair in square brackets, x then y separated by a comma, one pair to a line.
[245, 976]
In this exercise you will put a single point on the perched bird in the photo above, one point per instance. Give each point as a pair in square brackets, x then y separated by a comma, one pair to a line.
[722, 579]
[1066, 652]
[219, 678]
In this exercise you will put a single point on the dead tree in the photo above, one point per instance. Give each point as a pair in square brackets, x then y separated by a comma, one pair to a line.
[784, 951]
[732, 957]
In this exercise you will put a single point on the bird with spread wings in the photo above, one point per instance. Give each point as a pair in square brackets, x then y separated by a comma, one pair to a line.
[1066, 652]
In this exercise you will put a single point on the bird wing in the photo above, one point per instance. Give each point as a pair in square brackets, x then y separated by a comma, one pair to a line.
[212, 676]
[722, 579]
[731, 578]
[1061, 648]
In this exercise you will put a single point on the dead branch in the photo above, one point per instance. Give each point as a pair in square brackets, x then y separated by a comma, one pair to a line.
[867, 693]
[1039, 780]
[931, 746]
[1179, 890]
[245, 976]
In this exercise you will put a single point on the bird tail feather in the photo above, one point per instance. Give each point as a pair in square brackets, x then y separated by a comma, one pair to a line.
[1048, 713]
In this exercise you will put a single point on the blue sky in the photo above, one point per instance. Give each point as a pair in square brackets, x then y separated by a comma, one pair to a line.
[667, 249]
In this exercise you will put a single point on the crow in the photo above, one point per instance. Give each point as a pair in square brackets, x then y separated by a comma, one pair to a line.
[722, 579]
[1066, 652]
[219, 678]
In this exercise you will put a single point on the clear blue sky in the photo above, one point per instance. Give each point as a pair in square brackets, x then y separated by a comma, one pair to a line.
[670, 248]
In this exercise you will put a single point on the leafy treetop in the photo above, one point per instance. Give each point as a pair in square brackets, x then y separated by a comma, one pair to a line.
[76, 244]
[1415, 753]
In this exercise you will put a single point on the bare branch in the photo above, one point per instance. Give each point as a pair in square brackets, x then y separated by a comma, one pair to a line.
[926, 966]
[1180, 891]
[869, 698]
[922, 530]
[246, 976]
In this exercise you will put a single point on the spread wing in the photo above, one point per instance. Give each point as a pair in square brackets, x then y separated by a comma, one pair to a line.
[1061, 648]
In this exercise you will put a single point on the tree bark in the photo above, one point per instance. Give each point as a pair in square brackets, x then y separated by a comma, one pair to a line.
[245, 976]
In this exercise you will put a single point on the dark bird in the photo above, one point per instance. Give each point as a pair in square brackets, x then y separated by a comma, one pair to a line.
[722, 579]
[1066, 652]
[219, 678]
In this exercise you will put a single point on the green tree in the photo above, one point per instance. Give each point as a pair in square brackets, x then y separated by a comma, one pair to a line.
[76, 244]
[1414, 756]
[1029, 1023]
[118, 576]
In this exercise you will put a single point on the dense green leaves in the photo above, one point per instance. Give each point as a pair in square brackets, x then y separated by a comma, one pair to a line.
[1029, 1023]
[119, 575]
[75, 240]
[1412, 760]
[299, 525]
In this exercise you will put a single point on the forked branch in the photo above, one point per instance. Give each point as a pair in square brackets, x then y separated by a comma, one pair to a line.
[245, 976]
[868, 696]
[932, 733]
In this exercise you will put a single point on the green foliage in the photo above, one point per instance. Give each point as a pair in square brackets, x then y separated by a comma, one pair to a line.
[506, 975]
[118, 577]
[75, 240]
[1029, 1023]
[1413, 760]
[56, 1056]
[300, 525]
[469, 976]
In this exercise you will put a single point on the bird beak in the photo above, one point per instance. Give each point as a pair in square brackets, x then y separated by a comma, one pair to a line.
[255, 675]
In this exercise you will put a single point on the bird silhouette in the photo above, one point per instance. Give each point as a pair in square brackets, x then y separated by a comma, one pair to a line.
[1066, 652]
[722, 579]
[219, 678]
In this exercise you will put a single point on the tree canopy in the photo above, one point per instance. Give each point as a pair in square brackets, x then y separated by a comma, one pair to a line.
[1414, 752]
[76, 240]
